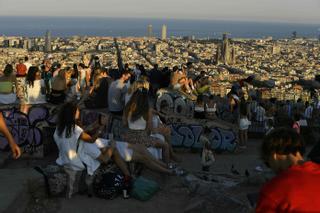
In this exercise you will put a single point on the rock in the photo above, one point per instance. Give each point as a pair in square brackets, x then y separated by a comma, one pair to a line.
[195, 206]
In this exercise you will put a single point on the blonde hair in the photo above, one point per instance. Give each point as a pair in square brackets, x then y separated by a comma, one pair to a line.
[138, 84]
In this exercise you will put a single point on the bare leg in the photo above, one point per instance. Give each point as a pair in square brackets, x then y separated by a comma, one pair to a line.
[142, 151]
[165, 150]
[245, 137]
[108, 153]
[149, 163]
[120, 162]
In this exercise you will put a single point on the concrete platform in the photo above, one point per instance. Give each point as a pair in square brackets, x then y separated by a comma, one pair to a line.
[15, 188]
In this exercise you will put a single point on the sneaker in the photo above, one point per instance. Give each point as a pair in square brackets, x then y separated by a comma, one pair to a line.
[259, 169]
[172, 166]
[179, 172]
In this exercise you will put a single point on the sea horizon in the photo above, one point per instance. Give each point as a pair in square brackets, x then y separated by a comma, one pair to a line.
[66, 26]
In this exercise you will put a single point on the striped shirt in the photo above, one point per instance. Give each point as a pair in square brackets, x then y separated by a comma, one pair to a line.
[308, 112]
[260, 114]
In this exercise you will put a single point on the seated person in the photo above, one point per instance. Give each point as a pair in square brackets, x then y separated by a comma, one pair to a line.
[179, 80]
[134, 87]
[199, 110]
[7, 83]
[137, 118]
[35, 87]
[129, 152]
[211, 108]
[295, 187]
[59, 87]
[73, 154]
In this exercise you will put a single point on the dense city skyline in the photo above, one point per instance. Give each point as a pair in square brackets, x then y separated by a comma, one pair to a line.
[294, 11]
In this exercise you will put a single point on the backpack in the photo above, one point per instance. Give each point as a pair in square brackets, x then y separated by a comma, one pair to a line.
[108, 184]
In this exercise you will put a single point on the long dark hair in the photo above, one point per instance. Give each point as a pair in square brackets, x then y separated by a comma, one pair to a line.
[8, 70]
[138, 106]
[31, 76]
[66, 119]
[75, 73]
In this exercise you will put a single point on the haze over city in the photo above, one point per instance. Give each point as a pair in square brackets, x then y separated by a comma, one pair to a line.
[294, 11]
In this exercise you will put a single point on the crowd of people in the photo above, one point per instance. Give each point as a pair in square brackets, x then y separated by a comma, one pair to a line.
[129, 95]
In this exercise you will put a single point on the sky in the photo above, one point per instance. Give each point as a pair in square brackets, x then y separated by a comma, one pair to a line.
[295, 11]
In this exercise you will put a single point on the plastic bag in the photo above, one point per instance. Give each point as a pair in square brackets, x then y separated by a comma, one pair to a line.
[143, 189]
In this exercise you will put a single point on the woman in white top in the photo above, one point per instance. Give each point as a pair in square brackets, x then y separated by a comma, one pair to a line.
[134, 87]
[35, 87]
[244, 124]
[73, 154]
[34, 92]
[137, 117]
[129, 152]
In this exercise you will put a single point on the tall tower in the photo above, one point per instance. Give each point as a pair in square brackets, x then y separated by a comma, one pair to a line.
[164, 32]
[47, 46]
[149, 31]
[225, 52]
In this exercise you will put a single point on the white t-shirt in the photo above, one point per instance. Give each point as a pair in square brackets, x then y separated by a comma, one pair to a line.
[33, 93]
[139, 124]
[68, 156]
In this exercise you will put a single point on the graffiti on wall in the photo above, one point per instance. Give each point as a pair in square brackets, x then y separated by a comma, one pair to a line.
[188, 136]
[25, 127]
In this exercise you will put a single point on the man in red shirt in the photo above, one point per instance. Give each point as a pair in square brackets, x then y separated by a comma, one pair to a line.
[21, 69]
[297, 184]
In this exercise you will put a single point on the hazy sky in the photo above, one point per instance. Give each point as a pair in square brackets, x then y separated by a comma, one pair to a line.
[300, 11]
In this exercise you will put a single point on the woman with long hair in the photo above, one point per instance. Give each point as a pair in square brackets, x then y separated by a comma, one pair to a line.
[7, 83]
[138, 117]
[60, 86]
[74, 155]
[35, 87]
[134, 87]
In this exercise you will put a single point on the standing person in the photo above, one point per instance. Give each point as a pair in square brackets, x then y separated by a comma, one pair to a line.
[83, 79]
[98, 98]
[308, 111]
[207, 156]
[46, 75]
[296, 124]
[260, 113]
[21, 80]
[244, 124]
[16, 152]
[297, 181]
[75, 74]
[137, 72]
[27, 63]
[116, 93]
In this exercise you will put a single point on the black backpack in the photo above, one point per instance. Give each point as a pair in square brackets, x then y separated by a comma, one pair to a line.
[108, 184]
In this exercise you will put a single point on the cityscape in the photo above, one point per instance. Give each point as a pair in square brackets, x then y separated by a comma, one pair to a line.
[164, 106]
[283, 63]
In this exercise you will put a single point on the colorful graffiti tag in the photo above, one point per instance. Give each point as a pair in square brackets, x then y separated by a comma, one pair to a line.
[25, 127]
[184, 135]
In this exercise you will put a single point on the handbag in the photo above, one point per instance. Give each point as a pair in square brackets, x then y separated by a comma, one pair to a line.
[143, 189]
